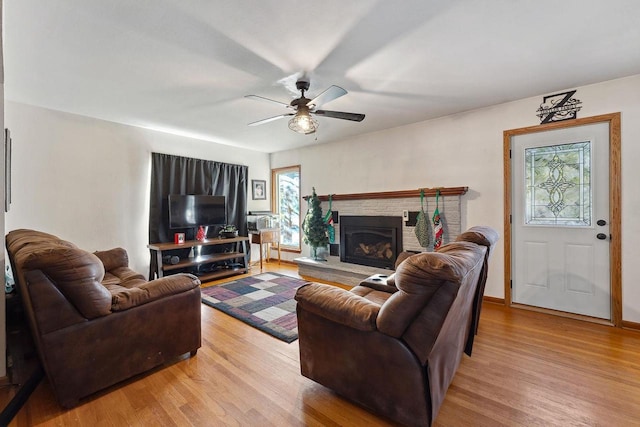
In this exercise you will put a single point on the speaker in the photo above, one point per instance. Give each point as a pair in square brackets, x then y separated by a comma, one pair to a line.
[412, 220]
[170, 259]
[334, 249]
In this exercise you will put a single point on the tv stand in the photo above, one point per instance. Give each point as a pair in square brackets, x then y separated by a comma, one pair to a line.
[238, 251]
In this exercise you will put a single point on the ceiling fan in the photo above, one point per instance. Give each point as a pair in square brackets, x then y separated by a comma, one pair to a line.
[303, 120]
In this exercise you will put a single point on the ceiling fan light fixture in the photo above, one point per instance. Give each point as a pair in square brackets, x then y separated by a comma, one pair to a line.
[303, 123]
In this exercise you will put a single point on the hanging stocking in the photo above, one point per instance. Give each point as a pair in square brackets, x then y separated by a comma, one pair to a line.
[328, 219]
[437, 225]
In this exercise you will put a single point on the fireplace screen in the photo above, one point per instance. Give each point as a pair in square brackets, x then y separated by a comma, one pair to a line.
[370, 240]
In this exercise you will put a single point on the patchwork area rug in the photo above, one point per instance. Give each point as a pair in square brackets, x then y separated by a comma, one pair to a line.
[264, 301]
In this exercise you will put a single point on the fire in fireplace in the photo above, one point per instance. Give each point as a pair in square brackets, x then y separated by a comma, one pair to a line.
[375, 241]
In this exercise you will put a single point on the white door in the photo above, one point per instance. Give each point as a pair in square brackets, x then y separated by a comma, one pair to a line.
[560, 220]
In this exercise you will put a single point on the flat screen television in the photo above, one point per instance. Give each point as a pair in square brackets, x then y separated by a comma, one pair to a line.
[194, 210]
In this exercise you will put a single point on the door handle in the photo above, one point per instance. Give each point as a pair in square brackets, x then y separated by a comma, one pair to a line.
[601, 236]
[601, 222]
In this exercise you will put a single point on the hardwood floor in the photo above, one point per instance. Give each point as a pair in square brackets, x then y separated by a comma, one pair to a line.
[527, 369]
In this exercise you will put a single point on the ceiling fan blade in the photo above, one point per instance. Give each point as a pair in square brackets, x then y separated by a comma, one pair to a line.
[333, 92]
[270, 119]
[355, 117]
[262, 98]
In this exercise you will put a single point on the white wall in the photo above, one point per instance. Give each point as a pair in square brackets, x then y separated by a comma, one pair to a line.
[87, 180]
[466, 150]
[3, 329]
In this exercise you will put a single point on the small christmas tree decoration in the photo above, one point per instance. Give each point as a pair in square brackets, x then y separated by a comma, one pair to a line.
[200, 235]
[314, 227]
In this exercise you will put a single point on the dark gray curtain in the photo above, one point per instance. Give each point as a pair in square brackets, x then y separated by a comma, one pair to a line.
[183, 175]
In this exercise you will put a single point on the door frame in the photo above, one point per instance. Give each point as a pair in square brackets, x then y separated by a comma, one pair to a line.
[615, 223]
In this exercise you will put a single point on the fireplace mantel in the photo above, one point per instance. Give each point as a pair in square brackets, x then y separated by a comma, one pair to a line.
[429, 192]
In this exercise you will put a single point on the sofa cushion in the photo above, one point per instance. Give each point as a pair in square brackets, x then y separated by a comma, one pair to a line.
[402, 256]
[122, 276]
[31, 250]
[76, 273]
[141, 292]
[419, 277]
[391, 281]
[127, 277]
[17, 240]
[372, 294]
[338, 305]
[481, 235]
[113, 258]
[110, 279]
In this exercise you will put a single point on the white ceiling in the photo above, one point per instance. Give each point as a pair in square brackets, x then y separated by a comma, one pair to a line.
[184, 66]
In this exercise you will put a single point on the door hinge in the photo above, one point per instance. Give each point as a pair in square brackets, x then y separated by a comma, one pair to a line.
[511, 284]
[510, 217]
[509, 153]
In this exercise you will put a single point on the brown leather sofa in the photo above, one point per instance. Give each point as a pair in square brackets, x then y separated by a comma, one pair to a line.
[94, 321]
[395, 346]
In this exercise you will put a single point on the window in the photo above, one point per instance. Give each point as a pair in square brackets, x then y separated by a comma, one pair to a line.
[286, 201]
[558, 185]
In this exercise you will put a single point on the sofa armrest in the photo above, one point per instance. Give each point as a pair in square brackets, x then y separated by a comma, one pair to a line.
[381, 283]
[126, 298]
[338, 305]
[113, 258]
[46, 305]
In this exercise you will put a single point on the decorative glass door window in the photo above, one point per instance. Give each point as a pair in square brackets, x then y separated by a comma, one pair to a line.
[558, 185]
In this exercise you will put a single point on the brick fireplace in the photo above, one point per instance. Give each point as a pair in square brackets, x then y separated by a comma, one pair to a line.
[382, 204]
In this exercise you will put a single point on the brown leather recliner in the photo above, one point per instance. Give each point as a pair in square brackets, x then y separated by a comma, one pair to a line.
[394, 347]
[94, 321]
